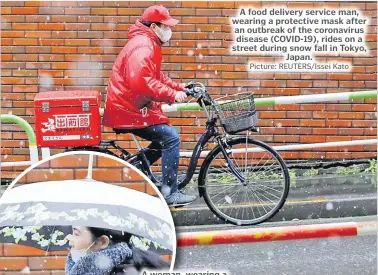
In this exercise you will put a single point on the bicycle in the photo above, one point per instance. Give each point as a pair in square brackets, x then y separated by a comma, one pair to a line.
[222, 169]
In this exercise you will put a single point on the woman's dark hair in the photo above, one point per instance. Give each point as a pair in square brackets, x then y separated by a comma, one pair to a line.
[116, 236]
[148, 24]
[140, 259]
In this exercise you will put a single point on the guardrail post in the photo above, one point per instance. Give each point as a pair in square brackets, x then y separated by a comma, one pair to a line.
[45, 152]
[29, 132]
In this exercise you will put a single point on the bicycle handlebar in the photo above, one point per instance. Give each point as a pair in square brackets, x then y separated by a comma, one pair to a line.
[196, 90]
[200, 92]
[188, 92]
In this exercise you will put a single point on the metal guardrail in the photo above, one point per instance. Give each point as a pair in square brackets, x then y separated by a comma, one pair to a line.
[270, 101]
[292, 147]
[300, 99]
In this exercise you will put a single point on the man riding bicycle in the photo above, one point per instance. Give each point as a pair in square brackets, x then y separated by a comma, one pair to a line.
[136, 90]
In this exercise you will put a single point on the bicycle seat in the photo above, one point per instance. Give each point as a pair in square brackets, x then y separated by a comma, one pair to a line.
[122, 131]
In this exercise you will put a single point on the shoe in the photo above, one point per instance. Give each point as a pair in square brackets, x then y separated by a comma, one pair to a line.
[179, 198]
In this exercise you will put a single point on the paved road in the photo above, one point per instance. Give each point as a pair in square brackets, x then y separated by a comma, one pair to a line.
[333, 256]
[312, 207]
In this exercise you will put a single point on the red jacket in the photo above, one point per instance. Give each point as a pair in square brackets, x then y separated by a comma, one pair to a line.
[137, 82]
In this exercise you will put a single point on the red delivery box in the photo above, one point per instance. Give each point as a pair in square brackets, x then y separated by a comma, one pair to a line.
[67, 118]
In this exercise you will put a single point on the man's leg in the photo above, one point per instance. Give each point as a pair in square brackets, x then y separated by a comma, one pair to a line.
[153, 152]
[169, 140]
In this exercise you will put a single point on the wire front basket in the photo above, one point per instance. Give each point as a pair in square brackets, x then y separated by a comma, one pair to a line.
[237, 112]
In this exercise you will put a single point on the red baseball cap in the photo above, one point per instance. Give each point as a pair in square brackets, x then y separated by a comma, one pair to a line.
[158, 13]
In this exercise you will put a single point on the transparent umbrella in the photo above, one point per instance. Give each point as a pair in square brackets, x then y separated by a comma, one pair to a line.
[56, 238]
[83, 203]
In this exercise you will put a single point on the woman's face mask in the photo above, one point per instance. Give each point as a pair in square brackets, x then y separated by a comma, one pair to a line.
[77, 254]
[81, 242]
[164, 33]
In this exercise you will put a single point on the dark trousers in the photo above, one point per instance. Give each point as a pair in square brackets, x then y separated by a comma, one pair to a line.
[165, 143]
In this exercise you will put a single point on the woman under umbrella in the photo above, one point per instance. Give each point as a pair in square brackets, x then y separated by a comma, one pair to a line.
[100, 251]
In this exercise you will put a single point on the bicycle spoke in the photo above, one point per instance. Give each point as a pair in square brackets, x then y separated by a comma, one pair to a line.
[222, 191]
[266, 171]
[269, 193]
[253, 200]
[253, 213]
[262, 166]
[236, 208]
[265, 197]
[252, 206]
[268, 187]
[222, 197]
[246, 153]
[221, 185]
[262, 203]
[222, 171]
[260, 159]
[243, 207]
[237, 192]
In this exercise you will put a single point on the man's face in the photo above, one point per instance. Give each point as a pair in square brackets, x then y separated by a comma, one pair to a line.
[162, 27]
[164, 32]
[165, 27]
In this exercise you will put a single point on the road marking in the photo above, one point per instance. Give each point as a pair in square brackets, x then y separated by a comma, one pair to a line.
[217, 227]
[285, 233]
[250, 205]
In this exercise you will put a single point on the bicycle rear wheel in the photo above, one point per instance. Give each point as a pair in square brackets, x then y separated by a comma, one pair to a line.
[253, 200]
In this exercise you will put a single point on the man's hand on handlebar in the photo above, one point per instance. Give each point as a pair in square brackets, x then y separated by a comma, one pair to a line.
[194, 89]
[197, 90]
[181, 97]
[190, 85]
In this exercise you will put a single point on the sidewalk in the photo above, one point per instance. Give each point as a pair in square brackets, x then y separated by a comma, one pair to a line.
[329, 196]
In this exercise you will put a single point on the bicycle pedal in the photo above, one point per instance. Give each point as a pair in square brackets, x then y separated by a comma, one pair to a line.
[178, 205]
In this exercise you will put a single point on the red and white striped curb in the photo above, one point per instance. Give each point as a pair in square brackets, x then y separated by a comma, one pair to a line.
[250, 235]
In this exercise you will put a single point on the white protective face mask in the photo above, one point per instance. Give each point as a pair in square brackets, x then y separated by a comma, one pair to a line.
[164, 35]
[77, 254]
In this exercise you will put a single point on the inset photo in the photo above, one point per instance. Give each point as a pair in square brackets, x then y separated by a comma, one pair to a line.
[85, 213]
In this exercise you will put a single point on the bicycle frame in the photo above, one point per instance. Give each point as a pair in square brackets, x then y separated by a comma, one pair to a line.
[211, 131]
[140, 157]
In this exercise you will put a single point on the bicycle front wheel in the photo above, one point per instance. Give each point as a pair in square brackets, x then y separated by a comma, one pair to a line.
[257, 194]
